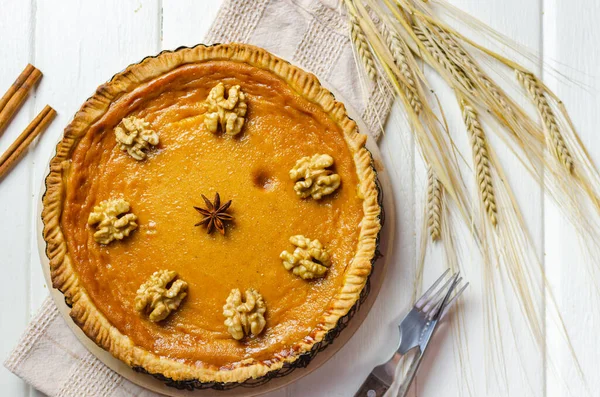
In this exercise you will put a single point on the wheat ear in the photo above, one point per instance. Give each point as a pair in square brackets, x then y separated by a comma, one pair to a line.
[434, 204]
[394, 43]
[442, 59]
[362, 46]
[458, 52]
[481, 159]
[554, 137]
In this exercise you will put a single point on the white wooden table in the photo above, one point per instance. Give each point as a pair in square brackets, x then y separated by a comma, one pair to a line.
[78, 45]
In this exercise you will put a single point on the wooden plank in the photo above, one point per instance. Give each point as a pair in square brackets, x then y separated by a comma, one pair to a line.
[443, 373]
[571, 45]
[15, 192]
[79, 46]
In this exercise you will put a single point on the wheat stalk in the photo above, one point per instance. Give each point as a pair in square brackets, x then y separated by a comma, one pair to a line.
[361, 44]
[434, 204]
[481, 159]
[395, 44]
[554, 137]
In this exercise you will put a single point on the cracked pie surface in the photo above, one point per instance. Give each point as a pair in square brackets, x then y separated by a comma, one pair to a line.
[134, 177]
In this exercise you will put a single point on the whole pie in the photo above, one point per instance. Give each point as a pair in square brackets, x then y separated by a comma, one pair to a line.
[210, 214]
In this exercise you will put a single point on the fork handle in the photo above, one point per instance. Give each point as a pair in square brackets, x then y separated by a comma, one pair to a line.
[372, 387]
[410, 375]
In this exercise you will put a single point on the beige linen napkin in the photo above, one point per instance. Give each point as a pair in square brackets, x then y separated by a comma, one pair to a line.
[312, 34]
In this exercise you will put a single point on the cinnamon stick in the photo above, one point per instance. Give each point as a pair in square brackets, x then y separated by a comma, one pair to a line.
[17, 93]
[36, 127]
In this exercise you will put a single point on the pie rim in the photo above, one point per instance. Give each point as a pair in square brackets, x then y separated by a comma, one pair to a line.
[64, 277]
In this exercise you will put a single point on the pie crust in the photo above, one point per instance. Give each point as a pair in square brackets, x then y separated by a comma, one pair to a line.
[66, 278]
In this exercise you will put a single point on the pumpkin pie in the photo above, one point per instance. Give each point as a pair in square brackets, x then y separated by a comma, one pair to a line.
[210, 214]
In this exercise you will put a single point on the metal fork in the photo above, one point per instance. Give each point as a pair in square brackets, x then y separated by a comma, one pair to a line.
[416, 330]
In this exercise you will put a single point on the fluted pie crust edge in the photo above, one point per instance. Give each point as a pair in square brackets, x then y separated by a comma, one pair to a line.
[65, 278]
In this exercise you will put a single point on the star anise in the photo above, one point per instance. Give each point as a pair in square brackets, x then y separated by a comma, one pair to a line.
[214, 214]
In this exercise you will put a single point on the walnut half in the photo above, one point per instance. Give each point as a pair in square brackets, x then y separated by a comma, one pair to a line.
[134, 136]
[313, 178]
[244, 317]
[228, 113]
[113, 219]
[160, 295]
[309, 260]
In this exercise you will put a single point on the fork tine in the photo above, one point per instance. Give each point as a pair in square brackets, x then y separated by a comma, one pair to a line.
[436, 297]
[427, 293]
[434, 310]
[453, 300]
[449, 294]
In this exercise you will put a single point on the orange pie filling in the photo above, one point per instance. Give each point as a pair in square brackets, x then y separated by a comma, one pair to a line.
[251, 168]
